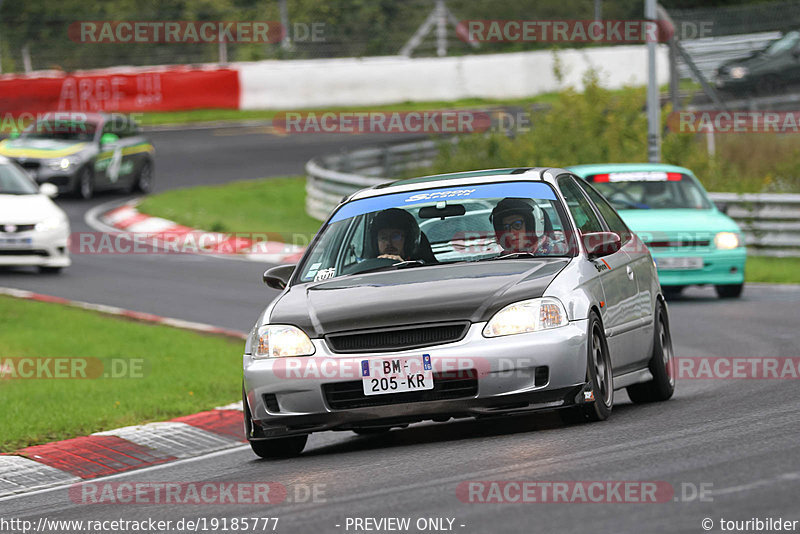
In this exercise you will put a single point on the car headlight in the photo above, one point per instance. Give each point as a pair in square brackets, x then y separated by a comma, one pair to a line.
[62, 164]
[739, 72]
[726, 240]
[51, 223]
[279, 341]
[526, 316]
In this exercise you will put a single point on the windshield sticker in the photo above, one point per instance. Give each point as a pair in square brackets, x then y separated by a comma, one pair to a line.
[520, 189]
[438, 195]
[325, 274]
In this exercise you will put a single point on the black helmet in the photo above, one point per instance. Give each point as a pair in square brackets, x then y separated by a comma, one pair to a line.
[400, 219]
[512, 206]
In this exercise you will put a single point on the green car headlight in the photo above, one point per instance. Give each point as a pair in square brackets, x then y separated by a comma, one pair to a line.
[726, 240]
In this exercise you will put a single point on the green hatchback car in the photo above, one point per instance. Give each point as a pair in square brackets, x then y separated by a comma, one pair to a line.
[691, 240]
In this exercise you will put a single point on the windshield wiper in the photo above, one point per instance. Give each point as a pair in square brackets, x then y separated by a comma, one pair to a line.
[408, 263]
[511, 255]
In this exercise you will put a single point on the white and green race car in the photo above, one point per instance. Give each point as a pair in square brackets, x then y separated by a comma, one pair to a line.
[82, 153]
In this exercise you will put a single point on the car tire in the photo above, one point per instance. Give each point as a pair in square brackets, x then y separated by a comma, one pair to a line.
[729, 291]
[661, 365]
[145, 180]
[49, 270]
[271, 448]
[599, 374]
[84, 183]
[672, 291]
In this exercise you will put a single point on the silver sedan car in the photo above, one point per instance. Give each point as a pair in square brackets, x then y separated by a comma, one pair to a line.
[465, 295]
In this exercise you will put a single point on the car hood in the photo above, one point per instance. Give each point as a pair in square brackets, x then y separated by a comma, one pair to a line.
[27, 209]
[652, 223]
[40, 148]
[460, 292]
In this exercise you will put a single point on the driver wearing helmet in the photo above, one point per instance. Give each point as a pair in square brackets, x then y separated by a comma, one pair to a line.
[395, 233]
[515, 228]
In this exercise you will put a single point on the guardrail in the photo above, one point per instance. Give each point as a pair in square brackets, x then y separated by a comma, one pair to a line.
[771, 222]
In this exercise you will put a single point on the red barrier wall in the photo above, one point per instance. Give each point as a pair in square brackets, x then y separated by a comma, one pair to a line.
[170, 89]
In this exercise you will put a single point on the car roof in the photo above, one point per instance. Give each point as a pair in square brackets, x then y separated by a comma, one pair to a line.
[599, 168]
[517, 174]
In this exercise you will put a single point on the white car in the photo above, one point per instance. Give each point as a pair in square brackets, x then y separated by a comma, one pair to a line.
[33, 230]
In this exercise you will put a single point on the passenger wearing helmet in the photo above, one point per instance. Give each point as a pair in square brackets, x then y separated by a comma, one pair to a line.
[515, 227]
[395, 234]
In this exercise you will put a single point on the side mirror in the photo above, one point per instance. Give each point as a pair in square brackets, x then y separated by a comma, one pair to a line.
[599, 244]
[722, 206]
[278, 277]
[108, 139]
[48, 190]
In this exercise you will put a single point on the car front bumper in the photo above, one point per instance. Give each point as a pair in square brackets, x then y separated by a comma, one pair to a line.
[720, 267]
[63, 179]
[46, 249]
[518, 373]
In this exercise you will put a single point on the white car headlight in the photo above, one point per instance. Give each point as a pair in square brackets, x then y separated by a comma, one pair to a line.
[279, 341]
[726, 240]
[739, 72]
[527, 316]
[51, 223]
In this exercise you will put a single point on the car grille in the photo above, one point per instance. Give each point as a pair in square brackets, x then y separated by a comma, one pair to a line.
[449, 385]
[24, 252]
[407, 337]
[18, 228]
[33, 165]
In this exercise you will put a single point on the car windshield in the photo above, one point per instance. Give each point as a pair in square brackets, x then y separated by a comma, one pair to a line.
[650, 190]
[61, 130]
[14, 181]
[787, 42]
[438, 226]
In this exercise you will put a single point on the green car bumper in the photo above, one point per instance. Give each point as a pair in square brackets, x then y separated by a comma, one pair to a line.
[718, 267]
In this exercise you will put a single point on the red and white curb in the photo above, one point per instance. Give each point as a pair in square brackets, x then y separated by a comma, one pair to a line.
[123, 449]
[121, 312]
[127, 218]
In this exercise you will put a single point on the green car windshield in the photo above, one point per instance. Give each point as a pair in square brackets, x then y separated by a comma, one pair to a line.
[650, 190]
[787, 42]
[437, 226]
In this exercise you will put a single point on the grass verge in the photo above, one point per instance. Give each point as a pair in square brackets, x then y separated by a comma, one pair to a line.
[265, 205]
[162, 373]
[772, 270]
[233, 115]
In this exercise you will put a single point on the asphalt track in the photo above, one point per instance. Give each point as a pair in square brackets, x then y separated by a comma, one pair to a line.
[737, 438]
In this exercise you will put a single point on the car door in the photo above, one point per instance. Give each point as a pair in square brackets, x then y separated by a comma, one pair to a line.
[640, 267]
[619, 288]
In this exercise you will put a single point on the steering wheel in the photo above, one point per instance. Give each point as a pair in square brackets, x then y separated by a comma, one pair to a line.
[628, 200]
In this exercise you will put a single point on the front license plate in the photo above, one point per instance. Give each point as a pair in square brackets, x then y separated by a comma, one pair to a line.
[396, 375]
[679, 263]
[15, 242]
